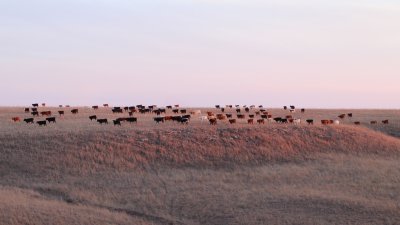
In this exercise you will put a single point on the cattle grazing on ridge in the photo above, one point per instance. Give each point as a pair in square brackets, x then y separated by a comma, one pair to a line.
[29, 120]
[117, 122]
[159, 119]
[51, 119]
[45, 113]
[16, 119]
[310, 121]
[42, 123]
[101, 121]
[93, 117]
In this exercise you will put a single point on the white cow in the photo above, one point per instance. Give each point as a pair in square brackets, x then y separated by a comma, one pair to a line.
[203, 118]
[296, 121]
[336, 122]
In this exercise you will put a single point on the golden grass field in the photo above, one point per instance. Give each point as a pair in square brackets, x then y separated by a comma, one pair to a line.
[79, 172]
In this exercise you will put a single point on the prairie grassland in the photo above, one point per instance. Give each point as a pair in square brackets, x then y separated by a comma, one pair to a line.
[79, 172]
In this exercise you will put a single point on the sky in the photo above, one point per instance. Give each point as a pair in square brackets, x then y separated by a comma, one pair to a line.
[308, 53]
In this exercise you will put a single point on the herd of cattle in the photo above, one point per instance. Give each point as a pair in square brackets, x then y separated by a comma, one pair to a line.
[249, 114]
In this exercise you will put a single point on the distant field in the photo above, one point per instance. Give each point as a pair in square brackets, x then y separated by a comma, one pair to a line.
[79, 172]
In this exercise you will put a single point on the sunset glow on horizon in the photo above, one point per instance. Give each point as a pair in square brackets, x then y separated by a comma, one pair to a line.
[319, 54]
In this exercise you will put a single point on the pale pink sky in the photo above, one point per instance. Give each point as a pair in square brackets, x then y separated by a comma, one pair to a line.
[326, 54]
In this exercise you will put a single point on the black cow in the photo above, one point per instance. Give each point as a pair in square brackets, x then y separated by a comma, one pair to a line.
[184, 121]
[217, 106]
[61, 112]
[251, 116]
[159, 119]
[350, 114]
[27, 110]
[237, 110]
[183, 111]
[131, 120]
[310, 121]
[28, 120]
[93, 117]
[228, 115]
[101, 121]
[35, 113]
[42, 123]
[117, 110]
[117, 122]
[51, 119]
[385, 121]
[95, 107]
[34, 109]
[74, 111]
[169, 106]
[35, 104]
[303, 110]
[292, 107]
[175, 110]
[285, 107]
[247, 109]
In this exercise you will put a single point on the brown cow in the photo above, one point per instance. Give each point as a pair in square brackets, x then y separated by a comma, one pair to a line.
[374, 122]
[260, 121]
[241, 116]
[232, 121]
[16, 119]
[221, 116]
[350, 114]
[357, 123]
[213, 121]
[46, 113]
[385, 121]
[342, 116]
[250, 121]
[95, 107]
[27, 110]
[210, 114]
[61, 112]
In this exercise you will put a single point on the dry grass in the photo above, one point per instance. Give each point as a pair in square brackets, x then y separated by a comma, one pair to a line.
[78, 172]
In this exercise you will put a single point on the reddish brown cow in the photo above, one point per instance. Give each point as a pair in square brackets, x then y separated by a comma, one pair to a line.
[232, 121]
[342, 116]
[250, 121]
[16, 119]
[260, 121]
[385, 121]
[357, 123]
[213, 121]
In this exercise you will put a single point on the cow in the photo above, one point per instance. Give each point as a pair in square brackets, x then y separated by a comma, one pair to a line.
[45, 113]
[374, 122]
[34, 109]
[176, 106]
[35, 105]
[260, 121]
[42, 123]
[251, 116]
[93, 117]
[187, 117]
[131, 119]
[117, 110]
[247, 109]
[222, 109]
[310, 121]
[95, 107]
[203, 118]
[385, 121]
[221, 116]
[228, 115]
[44, 104]
[336, 122]
[217, 106]
[132, 108]
[350, 114]
[241, 116]
[184, 120]
[210, 114]
[342, 116]
[67, 106]
[292, 110]
[126, 108]
[159, 119]
[278, 119]
[289, 117]
[27, 110]
[292, 107]
[175, 111]
[16, 119]
[101, 121]
[35, 113]
[326, 122]
[117, 122]
[51, 119]
[285, 107]
[74, 111]
[264, 116]
[105, 105]
[61, 112]
[296, 121]
[303, 110]
[257, 113]
[130, 113]
[250, 121]
[195, 112]
[60, 106]
[237, 110]
[169, 106]
[213, 121]
[357, 123]
[29, 120]
[232, 121]
[183, 111]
